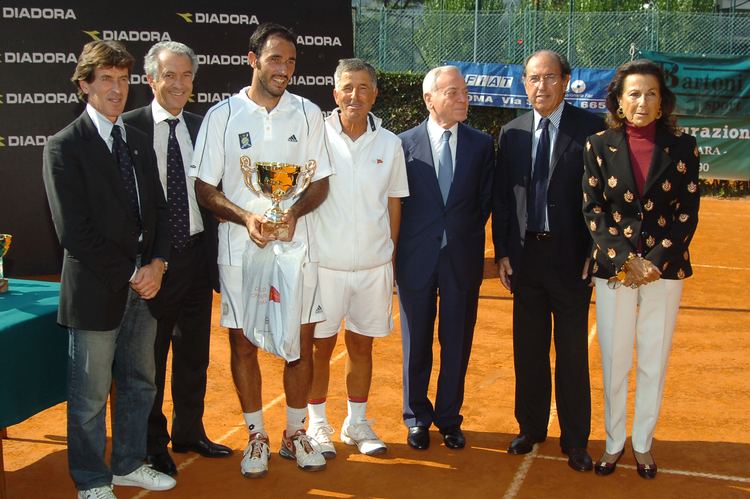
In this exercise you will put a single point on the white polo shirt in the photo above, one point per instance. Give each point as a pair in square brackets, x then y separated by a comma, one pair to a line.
[354, 231]
[293, 132]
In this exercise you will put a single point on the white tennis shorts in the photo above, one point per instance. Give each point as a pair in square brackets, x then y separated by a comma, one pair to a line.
[232, 310]
[364, 298]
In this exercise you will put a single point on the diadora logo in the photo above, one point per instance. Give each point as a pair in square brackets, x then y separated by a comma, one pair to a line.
[39, 58]
[23, 140]
[217, 18]
[293, 138]
[209, 97]
[37, 13]
[322, 41]
[222, 60]
[129, 35]
[39, 98]
[311, 80]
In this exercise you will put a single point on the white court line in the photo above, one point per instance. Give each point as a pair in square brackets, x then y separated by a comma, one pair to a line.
[694, 474]
[719, 267]
[523, 469]
[234, 430]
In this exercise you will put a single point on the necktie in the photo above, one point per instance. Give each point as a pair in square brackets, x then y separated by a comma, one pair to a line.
[125, 164]
[177, 197]
[538, 192]
[445, 173]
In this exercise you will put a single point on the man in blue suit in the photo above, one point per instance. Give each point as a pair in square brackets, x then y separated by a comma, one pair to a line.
[441, 252]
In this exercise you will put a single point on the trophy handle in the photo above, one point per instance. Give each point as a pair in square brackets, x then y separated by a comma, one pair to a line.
[248, 173]
[308, 171]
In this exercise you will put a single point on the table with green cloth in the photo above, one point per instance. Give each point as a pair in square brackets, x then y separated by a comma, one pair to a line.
[34, 350]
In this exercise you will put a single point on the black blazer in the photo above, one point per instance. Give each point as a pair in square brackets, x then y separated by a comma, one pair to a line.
[94, 223]
[424, 216]
[661, 221]
[143, 119]
[512, 179]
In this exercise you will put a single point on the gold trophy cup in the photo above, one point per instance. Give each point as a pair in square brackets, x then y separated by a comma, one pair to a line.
[277, 182]
[5, 240]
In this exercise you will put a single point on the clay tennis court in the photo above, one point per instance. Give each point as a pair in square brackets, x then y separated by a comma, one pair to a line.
[702, 444]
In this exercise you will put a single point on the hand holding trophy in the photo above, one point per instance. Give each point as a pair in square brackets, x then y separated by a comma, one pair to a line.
[277, 182]
[5, 240]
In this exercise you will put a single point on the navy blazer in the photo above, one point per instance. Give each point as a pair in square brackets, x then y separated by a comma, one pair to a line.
[95, 225]
[571, 238]
[659, 223]
[424, 216]
[143, 119]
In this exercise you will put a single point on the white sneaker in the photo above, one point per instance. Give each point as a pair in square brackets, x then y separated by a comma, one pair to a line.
[321, 439]
[361, 435]
[255, 458]
[145, 477]
[103, 492]
[300, 447]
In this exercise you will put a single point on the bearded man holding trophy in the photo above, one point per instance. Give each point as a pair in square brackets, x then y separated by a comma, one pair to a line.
[265, 140]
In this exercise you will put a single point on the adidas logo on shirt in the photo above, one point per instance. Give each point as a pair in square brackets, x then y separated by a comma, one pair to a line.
[292, 138]
[319, 310]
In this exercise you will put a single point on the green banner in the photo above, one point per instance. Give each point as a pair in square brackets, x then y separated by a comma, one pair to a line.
[724, 144]
[706, 86]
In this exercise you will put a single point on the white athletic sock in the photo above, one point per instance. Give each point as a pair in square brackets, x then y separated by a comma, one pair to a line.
[317, 414]
[295, 420]
[254, 421]
[357, 411]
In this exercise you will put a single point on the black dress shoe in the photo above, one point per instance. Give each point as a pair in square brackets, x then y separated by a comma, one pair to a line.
[604, 468]
[204, 447]
[453, 438]
[162, 462]
[647, 471]
[522, 444]
[418, 438]
[578, 458]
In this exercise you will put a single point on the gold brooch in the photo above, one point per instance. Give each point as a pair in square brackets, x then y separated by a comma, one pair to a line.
[593, 181]
[666, 186]
[695, 151]
[597, 209]
[588, 145]
[662, 221]
[613, 231]
[611, 252]
[666, 150]
[595, 268]
[666, 243]
[681, 167]
[681, 274]
[599, 160]
[628, 231]
[692, 188]
[612, 149]
[683, 217]
[628, 196]
[592, 225]
[649, 205]
[612, 182]
[650, 241]
[616, 216]
[686, 256]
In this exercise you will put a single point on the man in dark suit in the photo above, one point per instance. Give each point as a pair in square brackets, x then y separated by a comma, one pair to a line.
[110, 216]
[441, 251]
[541, 246]
[183, 306]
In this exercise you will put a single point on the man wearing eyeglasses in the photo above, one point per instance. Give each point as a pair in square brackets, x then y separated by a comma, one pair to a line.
[541, 248]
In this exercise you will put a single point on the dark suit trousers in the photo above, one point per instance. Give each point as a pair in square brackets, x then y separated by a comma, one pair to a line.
[457, 316]
[183, 313]
[543, 291]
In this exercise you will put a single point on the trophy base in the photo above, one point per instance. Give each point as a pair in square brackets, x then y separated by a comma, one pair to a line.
[3, 285]
[277, 230]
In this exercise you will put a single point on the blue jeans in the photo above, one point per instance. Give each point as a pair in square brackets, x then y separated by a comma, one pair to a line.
[95, 358]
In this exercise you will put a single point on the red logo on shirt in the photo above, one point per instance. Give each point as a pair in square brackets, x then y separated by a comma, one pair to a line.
[379, 161]
[274, 295]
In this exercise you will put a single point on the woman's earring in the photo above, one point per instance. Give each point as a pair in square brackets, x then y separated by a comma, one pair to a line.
[658, 115]
[621, 113]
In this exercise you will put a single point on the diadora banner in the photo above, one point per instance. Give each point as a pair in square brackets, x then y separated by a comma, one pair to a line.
[39, 47]
[707, 86]
[501, 85]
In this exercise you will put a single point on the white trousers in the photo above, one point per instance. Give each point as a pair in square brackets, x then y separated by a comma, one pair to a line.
[646, 315]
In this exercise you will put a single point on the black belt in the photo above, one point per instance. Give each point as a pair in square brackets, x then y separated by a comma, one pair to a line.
[539, 236]
[190, 243]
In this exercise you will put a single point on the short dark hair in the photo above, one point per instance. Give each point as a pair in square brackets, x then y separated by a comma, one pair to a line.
[564, 64]
[100, 54]
[265, 31]
[615, 89]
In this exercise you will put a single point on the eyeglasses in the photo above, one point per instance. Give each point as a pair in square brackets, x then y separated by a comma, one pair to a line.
[549, 79]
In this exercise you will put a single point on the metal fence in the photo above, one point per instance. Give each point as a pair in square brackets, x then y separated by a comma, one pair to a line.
[415, 40]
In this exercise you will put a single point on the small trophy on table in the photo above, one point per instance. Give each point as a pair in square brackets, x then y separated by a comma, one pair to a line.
[4, 247]
[277, 182]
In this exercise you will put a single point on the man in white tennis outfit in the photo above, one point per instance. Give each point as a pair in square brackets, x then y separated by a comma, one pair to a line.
[357, 229]
[264, 122]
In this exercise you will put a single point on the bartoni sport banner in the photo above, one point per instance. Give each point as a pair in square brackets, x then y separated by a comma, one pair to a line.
[501, 85]
[38, 53]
